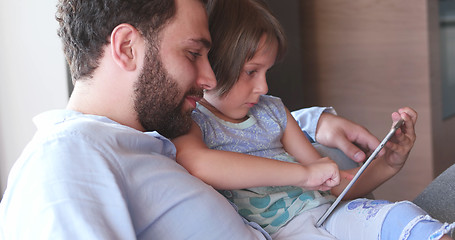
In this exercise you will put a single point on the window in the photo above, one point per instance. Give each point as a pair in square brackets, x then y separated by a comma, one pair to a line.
[447, 31]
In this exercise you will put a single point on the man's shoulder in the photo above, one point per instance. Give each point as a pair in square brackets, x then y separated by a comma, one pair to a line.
[75, 138]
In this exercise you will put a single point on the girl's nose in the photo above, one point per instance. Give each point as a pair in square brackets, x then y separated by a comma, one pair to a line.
[261, 86]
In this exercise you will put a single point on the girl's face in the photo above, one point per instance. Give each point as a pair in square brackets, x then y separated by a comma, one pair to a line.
[252, 83]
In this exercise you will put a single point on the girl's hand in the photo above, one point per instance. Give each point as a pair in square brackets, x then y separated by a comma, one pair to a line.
[322, 175]
[346, 175]
[399, 147]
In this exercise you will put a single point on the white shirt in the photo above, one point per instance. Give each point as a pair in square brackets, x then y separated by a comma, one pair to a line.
[87, 177]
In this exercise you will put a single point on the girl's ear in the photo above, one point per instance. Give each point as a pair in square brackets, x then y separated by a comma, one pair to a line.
[125, 44]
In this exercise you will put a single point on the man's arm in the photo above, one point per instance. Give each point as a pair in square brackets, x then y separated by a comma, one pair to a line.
[335, 131]
[325, 127]
[308, 118]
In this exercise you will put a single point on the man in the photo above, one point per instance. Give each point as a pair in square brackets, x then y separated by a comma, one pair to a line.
[98, 170]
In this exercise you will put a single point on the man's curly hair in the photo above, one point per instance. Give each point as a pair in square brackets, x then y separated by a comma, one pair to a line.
[86, 26]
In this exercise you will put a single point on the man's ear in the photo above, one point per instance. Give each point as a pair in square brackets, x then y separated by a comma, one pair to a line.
[125, 46]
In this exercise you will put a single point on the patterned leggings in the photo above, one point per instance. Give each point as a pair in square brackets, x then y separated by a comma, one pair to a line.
[379, 219]
[365, 219]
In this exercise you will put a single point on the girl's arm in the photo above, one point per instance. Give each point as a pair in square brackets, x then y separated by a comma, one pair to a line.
[231, 170]
[386, 166]
[297, 144]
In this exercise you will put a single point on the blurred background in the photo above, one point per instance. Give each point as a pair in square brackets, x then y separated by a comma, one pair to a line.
[366, 58]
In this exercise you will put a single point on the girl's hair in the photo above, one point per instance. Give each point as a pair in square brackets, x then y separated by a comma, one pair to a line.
[236, 27]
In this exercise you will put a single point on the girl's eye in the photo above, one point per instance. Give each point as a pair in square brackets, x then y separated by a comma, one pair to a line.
[251, 72]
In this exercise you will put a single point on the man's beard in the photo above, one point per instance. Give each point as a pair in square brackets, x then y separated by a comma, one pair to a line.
[159, 101]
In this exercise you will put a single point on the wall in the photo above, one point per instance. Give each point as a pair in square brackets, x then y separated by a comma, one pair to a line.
[368, 58]
[286, 78]
[32, 74]
[443, 128]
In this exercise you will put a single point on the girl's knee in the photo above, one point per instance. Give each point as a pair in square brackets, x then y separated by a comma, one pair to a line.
[405, 220]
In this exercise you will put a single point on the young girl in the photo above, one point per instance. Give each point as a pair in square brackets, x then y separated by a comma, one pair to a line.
[247, 145]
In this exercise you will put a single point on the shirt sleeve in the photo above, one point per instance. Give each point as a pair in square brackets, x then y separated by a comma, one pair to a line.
[308, 118]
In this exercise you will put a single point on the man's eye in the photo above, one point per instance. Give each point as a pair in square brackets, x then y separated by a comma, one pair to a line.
[195, 54]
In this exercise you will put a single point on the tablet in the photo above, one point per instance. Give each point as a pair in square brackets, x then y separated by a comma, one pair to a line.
[361, 170]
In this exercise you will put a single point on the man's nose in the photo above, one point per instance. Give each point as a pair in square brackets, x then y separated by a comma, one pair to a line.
[206, 77]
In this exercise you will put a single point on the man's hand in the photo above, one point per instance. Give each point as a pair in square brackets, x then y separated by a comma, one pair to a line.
[354, 140]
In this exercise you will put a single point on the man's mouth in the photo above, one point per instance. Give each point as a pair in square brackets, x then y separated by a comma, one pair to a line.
[193, 100]
[193, 96]
[251, 104]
